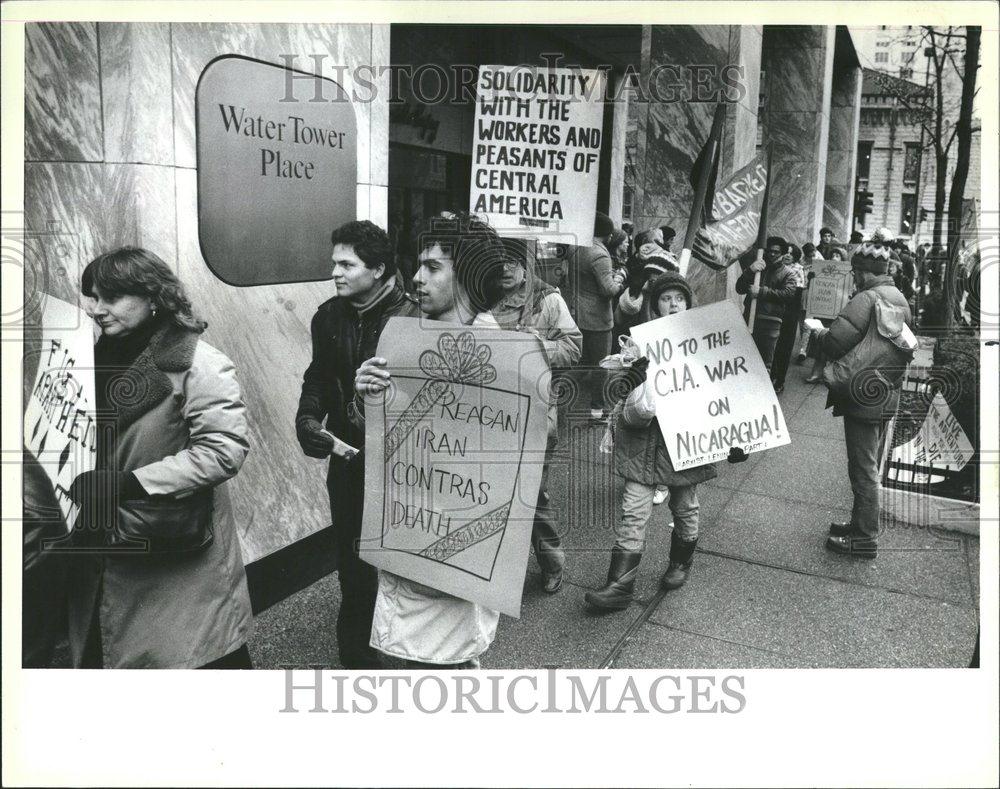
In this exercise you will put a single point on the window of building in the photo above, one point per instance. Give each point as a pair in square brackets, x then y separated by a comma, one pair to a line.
[907, 214]
[881, 57]
[864, 159]
[911, 163]
[882, 42]
[906, 57]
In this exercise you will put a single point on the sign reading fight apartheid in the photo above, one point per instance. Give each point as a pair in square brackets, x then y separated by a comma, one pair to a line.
[939, 445]
[537, 148]
[59, 425]
[735, 215]
[277, 170]
[829, 289]
[454, 456]
[712, 391]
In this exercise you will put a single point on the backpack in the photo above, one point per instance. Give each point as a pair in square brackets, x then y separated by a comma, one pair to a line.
[882, 355]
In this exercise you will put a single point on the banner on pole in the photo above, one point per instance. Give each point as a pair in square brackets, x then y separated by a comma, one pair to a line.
[537, 149]
[59, 425]
[829, 289]
[712, 390]
[734, 216]
[454, 457]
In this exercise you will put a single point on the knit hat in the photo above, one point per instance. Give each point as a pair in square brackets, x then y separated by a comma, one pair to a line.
[671, 279]
[603, 226]
[656, 258]
[872, 258]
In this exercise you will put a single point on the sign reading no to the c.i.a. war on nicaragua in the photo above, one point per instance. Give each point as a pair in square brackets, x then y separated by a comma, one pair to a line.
[712, 391]
[537, 148]
[454, 455]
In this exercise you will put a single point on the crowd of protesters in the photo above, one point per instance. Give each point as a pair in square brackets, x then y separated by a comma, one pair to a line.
[193, 608]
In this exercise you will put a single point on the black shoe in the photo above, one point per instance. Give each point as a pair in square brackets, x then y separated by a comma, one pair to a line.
[617, 593]
[840, 529]
[800, 358]
[854, 544]
[779, 388]
[681, 557]
[552, 581]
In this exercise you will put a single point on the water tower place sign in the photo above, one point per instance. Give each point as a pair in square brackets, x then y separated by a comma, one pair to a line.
[277, 170]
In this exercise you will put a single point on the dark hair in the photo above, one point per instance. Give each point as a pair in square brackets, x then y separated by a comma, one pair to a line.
[131, 271]
[476, 250]
[525, 252]
[808, 247]
[772, 240]
[668, 233]
[857, 237]
[370, 243]
[795, 252]
[825, 230]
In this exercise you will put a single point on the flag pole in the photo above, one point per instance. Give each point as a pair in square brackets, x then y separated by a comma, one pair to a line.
[701, 188]
[761, 241]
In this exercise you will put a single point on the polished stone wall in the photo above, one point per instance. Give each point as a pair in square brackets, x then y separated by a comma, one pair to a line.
[110, 161]
[842, 149]
[798, 65]
[671, 133]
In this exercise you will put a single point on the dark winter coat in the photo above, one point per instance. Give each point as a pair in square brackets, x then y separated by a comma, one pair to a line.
[778, 287]
[848, 329]
[342, 338]
[184, 431]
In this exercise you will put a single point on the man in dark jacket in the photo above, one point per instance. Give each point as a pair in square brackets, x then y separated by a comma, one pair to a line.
[777, 289]
[345, 332]
[864, 416]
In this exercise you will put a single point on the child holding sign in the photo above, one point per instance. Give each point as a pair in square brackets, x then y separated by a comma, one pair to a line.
[641, 459]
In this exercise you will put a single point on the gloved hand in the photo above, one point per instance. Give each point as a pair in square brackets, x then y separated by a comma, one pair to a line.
[635, 373]
[314, 444]
[635, 279]
[92, 489]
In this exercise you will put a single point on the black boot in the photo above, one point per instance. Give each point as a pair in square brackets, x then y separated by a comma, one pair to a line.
[616, 594]
[681, 556]
[840, 528]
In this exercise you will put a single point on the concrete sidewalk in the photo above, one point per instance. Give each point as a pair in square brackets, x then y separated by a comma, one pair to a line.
[763, 591]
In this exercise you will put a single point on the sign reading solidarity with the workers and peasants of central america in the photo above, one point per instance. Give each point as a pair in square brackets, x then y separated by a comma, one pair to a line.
[60, 428]
[454, 456]
[537, 148]
[712, 391]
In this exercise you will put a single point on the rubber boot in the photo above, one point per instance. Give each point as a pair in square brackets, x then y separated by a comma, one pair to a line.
[617, 593]
[681, 556]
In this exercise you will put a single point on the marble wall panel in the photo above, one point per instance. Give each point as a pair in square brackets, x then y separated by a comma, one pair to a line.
[137, 93]
[794, 136]
[798, 36]
[843, 132]
[379, 149]
[795, 79]
[795, 204]
[279, 495]
[836, 206]
[62, 93]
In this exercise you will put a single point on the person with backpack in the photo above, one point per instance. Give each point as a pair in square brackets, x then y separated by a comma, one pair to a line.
[868, 346]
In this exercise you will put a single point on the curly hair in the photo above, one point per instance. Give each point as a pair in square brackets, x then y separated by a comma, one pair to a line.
[134, 271]
[370, 243]
[476, 250]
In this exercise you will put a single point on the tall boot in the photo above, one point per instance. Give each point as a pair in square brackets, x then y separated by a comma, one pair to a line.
[681, 557]
[617, 593]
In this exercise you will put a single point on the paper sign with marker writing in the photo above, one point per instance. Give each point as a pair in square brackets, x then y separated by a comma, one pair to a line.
[713, 392]
[59, 425]
[454, 456]
[829, 289]
[940, 444]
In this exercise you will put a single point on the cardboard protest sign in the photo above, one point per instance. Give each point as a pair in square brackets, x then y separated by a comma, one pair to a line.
[735, 212]
[537, 149]
[454, 456]
[830, 288]
[59, 425]
[939, 444]
[711, 388]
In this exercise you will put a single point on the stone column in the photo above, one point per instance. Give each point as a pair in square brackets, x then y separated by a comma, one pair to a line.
[685, 71]
[842, 150]
[617, 134]
[798, 65]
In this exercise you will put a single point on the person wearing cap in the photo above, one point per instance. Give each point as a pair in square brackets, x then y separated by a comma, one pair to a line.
[641, 459]
[776, 290]
[864, 420]
[597, 283]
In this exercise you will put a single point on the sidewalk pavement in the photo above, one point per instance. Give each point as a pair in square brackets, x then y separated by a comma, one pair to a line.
[763, 591]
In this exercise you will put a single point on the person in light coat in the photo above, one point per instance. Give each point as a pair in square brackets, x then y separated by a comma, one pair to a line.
[173, 405]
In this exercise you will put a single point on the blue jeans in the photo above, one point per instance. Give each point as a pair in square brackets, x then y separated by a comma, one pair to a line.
[862, 468]
[637, 506]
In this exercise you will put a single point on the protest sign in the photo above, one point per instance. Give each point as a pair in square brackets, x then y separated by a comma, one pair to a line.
[735, 215]
[712, 390]
[454, 456]
[829, 289]
[940, 444]
[59, 425]
[537, 149]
